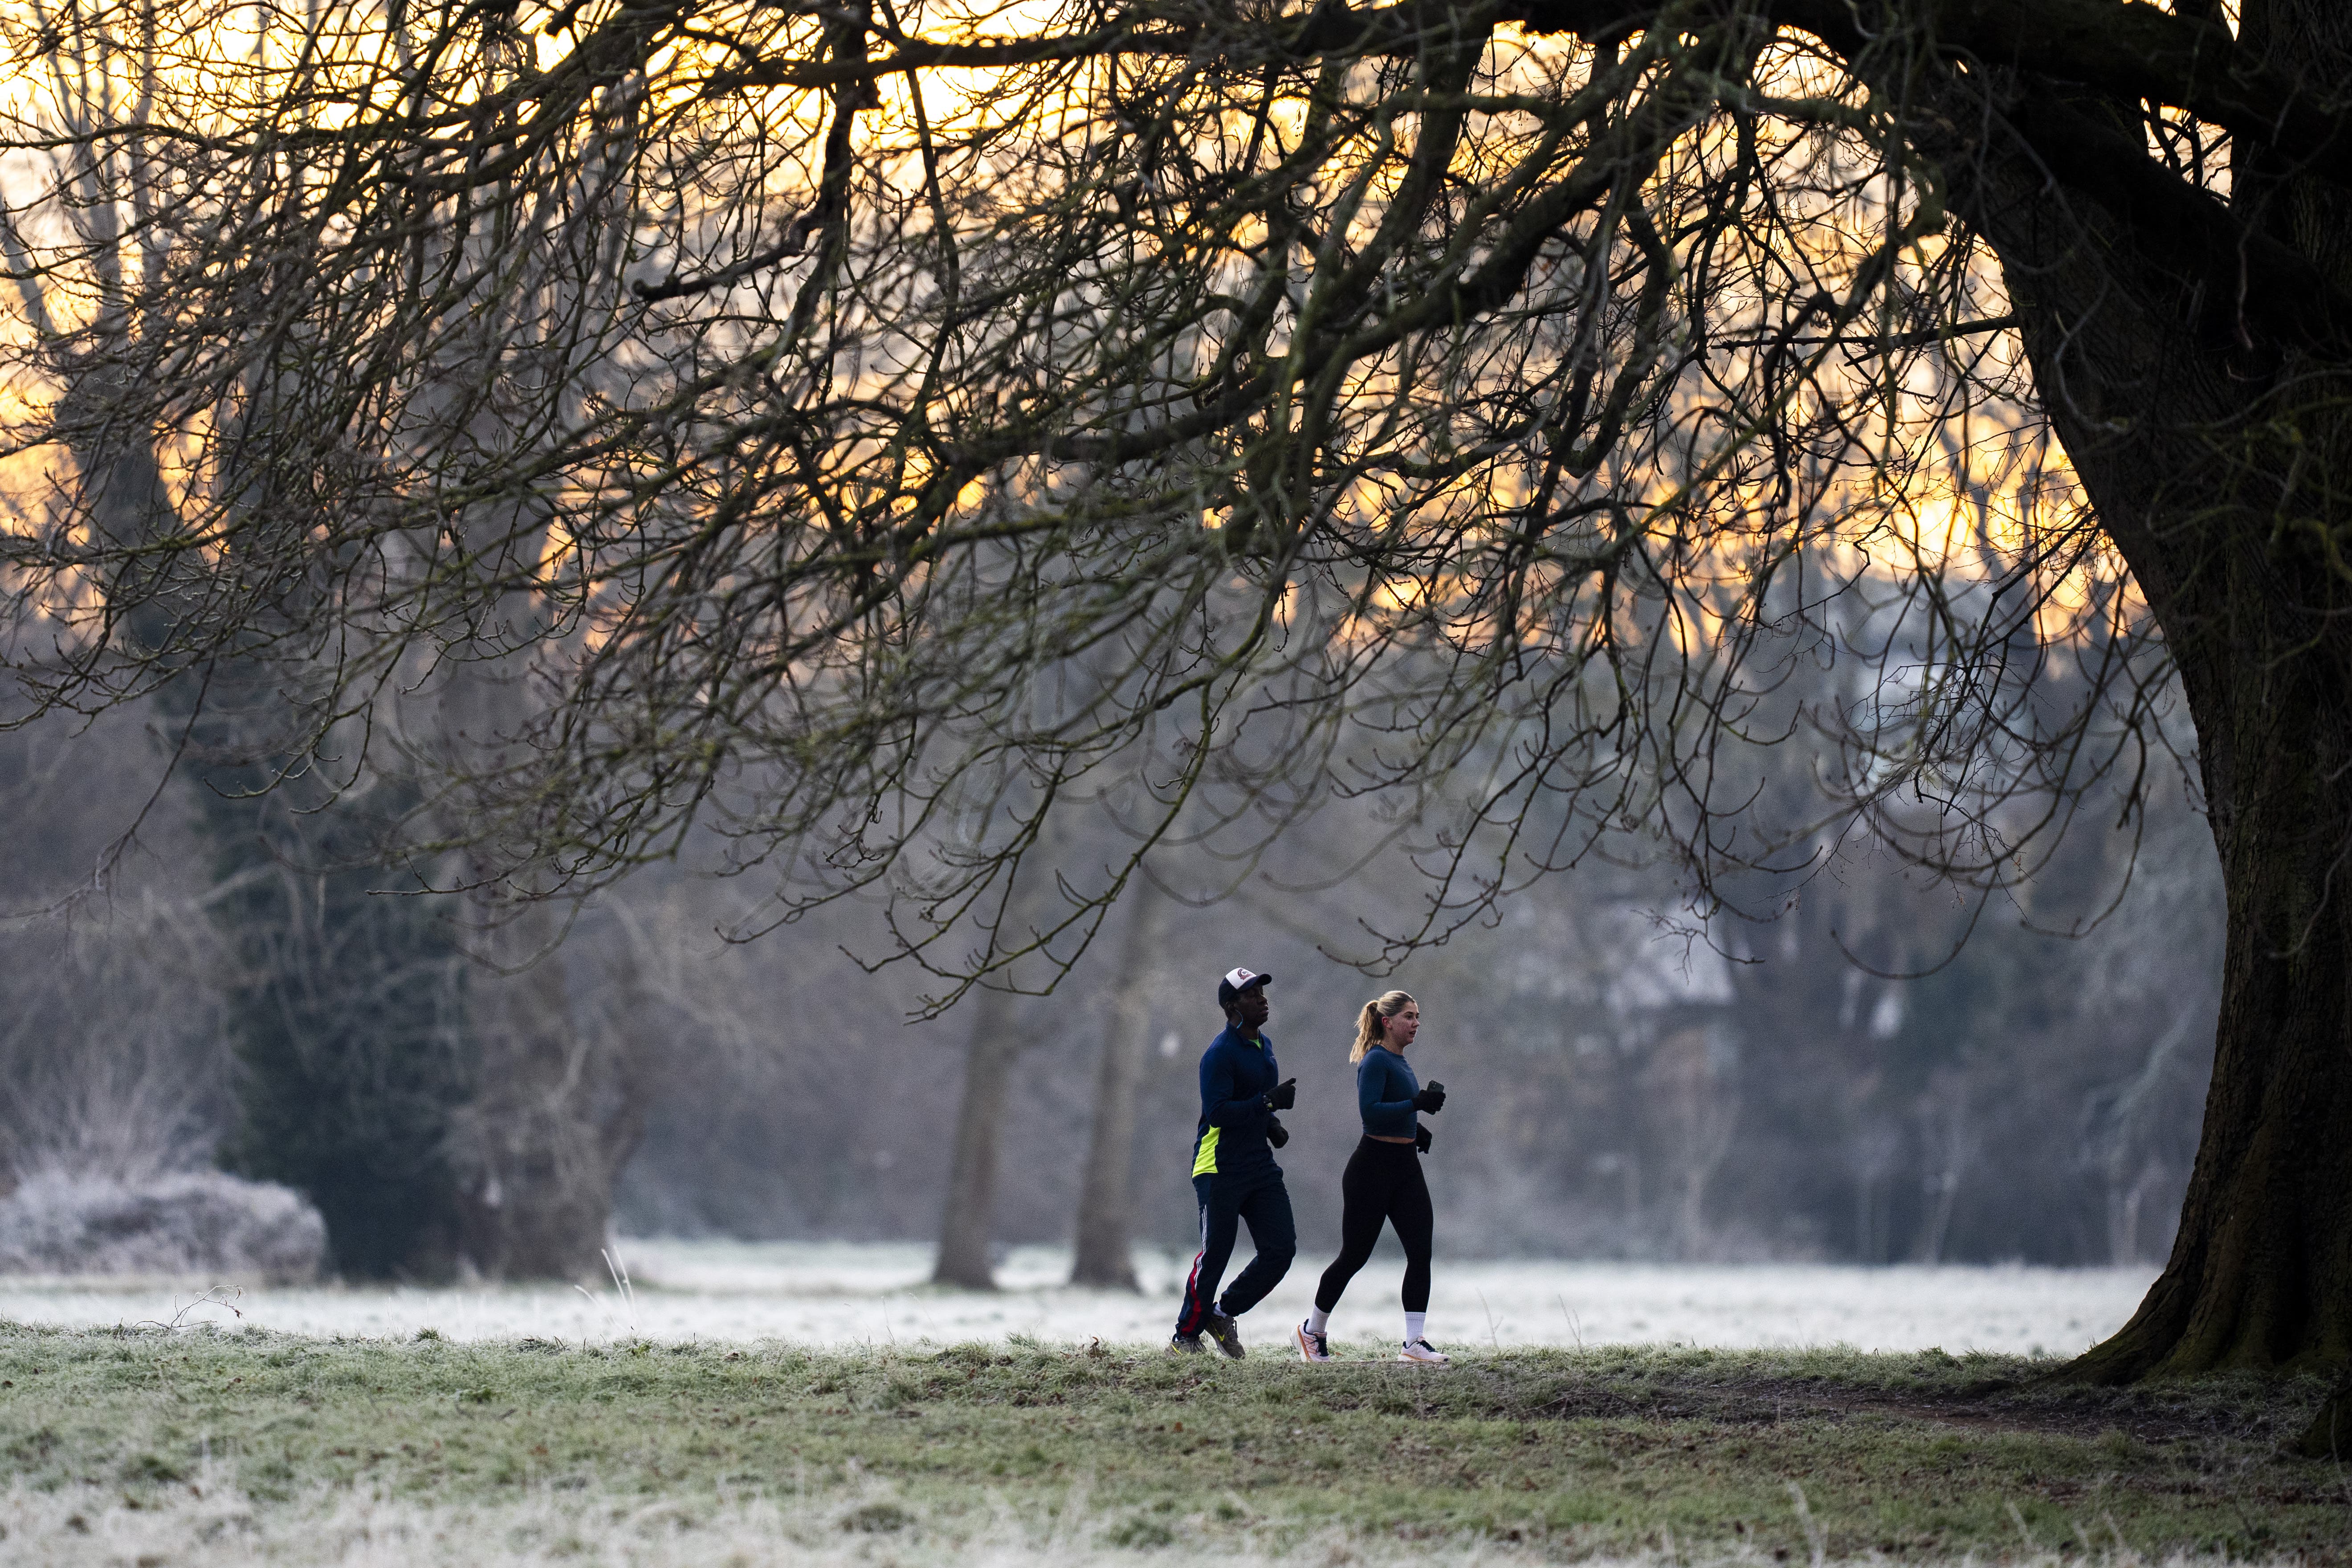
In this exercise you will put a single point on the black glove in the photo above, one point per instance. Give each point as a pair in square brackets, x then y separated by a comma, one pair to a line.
[1420, 1139]
[1432, 1098]
[1275, 1132]
[1283, 1096]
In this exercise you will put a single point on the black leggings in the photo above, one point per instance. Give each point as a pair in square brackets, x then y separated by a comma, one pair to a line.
[1382, 1182]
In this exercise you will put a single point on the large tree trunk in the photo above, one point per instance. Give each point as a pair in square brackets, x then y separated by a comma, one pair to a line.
[557, 1106]
[554, 1116]
[2213, 440]
[2261, 1275]
[1106, 1231]
[964, 1223]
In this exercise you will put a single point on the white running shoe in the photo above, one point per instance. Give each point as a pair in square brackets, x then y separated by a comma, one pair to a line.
[1423, 1351]
[1312, 1346]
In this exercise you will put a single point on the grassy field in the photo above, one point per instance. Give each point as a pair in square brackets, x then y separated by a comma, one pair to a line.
[145, 1448]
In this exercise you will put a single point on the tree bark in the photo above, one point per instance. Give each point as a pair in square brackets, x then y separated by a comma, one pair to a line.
[539, 1180]
[2261, 1274]
[2211, 443]
[557, 1106]
[964, 1223]
[1105, 1229]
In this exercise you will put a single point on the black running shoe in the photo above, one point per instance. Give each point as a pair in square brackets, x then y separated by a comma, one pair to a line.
[1227, 1334]
[1186, 1344]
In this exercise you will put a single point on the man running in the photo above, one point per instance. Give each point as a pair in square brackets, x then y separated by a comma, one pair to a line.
[1234, 1178]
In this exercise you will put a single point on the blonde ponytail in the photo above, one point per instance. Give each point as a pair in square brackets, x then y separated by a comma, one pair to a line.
[1371, 1024]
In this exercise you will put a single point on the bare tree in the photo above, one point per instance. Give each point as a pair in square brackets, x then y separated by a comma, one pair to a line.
[557, 1106]
[1484, 405]
[1870, 1156]
[538, 1151]
[2124, 1142]
[965, 1228]
[1693, 1079]
[1104, 1253]
[111, 1046]
[1949, 1141]
[998, 1040]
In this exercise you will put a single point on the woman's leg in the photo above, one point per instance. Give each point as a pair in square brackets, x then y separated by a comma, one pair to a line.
[1409, 1211]
[1363, 1206]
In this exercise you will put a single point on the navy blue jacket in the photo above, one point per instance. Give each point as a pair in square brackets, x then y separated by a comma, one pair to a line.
[1235, 1073]
[1385, 1089]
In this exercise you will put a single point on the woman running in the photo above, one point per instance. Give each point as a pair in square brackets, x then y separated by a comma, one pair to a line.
[1383, 1177]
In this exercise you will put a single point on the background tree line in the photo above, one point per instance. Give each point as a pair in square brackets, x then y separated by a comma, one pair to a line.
[1626, 1084]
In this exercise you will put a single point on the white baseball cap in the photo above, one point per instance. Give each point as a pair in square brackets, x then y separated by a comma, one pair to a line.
[1237, 980]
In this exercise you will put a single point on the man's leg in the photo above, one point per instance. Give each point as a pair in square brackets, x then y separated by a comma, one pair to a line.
[1266, 1207]
[1219, 1217]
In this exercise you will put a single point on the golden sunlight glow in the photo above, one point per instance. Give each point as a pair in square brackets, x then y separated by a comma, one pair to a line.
[729, 145]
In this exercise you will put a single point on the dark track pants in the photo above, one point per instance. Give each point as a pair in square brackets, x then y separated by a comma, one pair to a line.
[1381, 1184]
[1260, 1199]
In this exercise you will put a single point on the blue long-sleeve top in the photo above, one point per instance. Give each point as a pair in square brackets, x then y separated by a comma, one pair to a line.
[1235, 1073]
[1385, 1089]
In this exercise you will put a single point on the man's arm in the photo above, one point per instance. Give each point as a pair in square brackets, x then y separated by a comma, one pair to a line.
[1217, 1097]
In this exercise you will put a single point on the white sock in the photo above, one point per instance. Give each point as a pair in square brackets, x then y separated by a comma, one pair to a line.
[1413, 1324]
[1318, 1320]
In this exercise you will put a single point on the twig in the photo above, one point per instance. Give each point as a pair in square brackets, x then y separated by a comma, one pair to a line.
[211, 1298]
[1575, 1329]
[1816, 1537]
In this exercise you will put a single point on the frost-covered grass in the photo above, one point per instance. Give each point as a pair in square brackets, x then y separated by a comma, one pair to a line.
[846, 1295]
[205, 1447]
[354, 1530]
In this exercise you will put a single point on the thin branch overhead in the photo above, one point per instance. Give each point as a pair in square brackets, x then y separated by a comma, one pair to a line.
[881, 427]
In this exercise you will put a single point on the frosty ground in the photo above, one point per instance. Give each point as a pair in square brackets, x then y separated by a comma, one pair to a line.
[842, 1295]
[144, 1446]
[819, 1404]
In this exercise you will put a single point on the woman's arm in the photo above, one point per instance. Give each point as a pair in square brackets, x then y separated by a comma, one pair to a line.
[1376, 1081]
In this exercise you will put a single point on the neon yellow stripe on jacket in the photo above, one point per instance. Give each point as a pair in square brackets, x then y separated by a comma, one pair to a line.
[1204, 1163]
